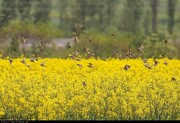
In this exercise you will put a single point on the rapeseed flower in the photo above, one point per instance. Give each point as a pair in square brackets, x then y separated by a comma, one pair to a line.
[54, 89]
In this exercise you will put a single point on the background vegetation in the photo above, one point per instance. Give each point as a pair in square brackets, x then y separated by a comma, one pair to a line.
[29, 27]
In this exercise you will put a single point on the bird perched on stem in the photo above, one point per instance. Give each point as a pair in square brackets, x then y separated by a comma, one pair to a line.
[165, 62]
[126, 67]
[148, 65]
[42, 64]
[90, 65]
[79, 65]
[145, 60]
[173, 79]
[10, 60]
[84, 83]
[33, 59]
[23, 61]
[156, 62]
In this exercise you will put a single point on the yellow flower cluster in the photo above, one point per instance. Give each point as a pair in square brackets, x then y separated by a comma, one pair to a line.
[55, 89]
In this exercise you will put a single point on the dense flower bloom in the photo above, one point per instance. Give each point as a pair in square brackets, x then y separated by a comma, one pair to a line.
[60, 89]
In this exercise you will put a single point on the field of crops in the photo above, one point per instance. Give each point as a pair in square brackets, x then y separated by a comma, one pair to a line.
[51, 89]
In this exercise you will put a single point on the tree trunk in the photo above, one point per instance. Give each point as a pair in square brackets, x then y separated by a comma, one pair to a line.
[154, 10]
[171, 12]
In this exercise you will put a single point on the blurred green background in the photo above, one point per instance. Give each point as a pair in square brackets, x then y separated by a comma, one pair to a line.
[104, 28]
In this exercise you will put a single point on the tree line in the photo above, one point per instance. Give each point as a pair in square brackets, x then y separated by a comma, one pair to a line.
[77, 15]
[114, 26]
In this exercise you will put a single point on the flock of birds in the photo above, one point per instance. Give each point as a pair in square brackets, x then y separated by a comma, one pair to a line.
[129, 54]
[23, 61]
[75, 55]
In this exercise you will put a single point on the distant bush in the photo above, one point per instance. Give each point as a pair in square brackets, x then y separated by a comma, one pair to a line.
[104, 44]
[159, 45]
[109, 43]
[39, 35]
[116, 44]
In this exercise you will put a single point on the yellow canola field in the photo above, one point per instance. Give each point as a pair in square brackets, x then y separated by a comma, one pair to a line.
[69, 89]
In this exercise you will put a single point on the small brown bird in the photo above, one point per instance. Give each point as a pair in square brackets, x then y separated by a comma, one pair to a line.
[86, 49]
[126, 67]
[89, 39]
[78, 59]
[84, 83]
[71, 56]
[166, 41]
[173, 79]
[112, 34]
[145, 60]
[75, 53]
[165, 62]
[28, 65]
[141, 48]
[76, 40]
[33, 59]
[90, 54]
[129, 53]
[156, 62]
[90, 65]
[79, 65]
[69, 46]
[42, 64]
[148, 66]
[104, 59]
[23, 39]
[10, 61]
[23, 61]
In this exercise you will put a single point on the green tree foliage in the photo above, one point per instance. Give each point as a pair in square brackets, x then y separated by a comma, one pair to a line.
[171, 13]
[131, 17]
[42, 10]
[146, 22]
[155, 46]
[39, 35]
[14, 45]
[104, 44]
[129, 20]
[8, 11]
[106, 13]
[81, 11]
[111, 8]
[88, 14]
[65, 8]
[24, 8]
